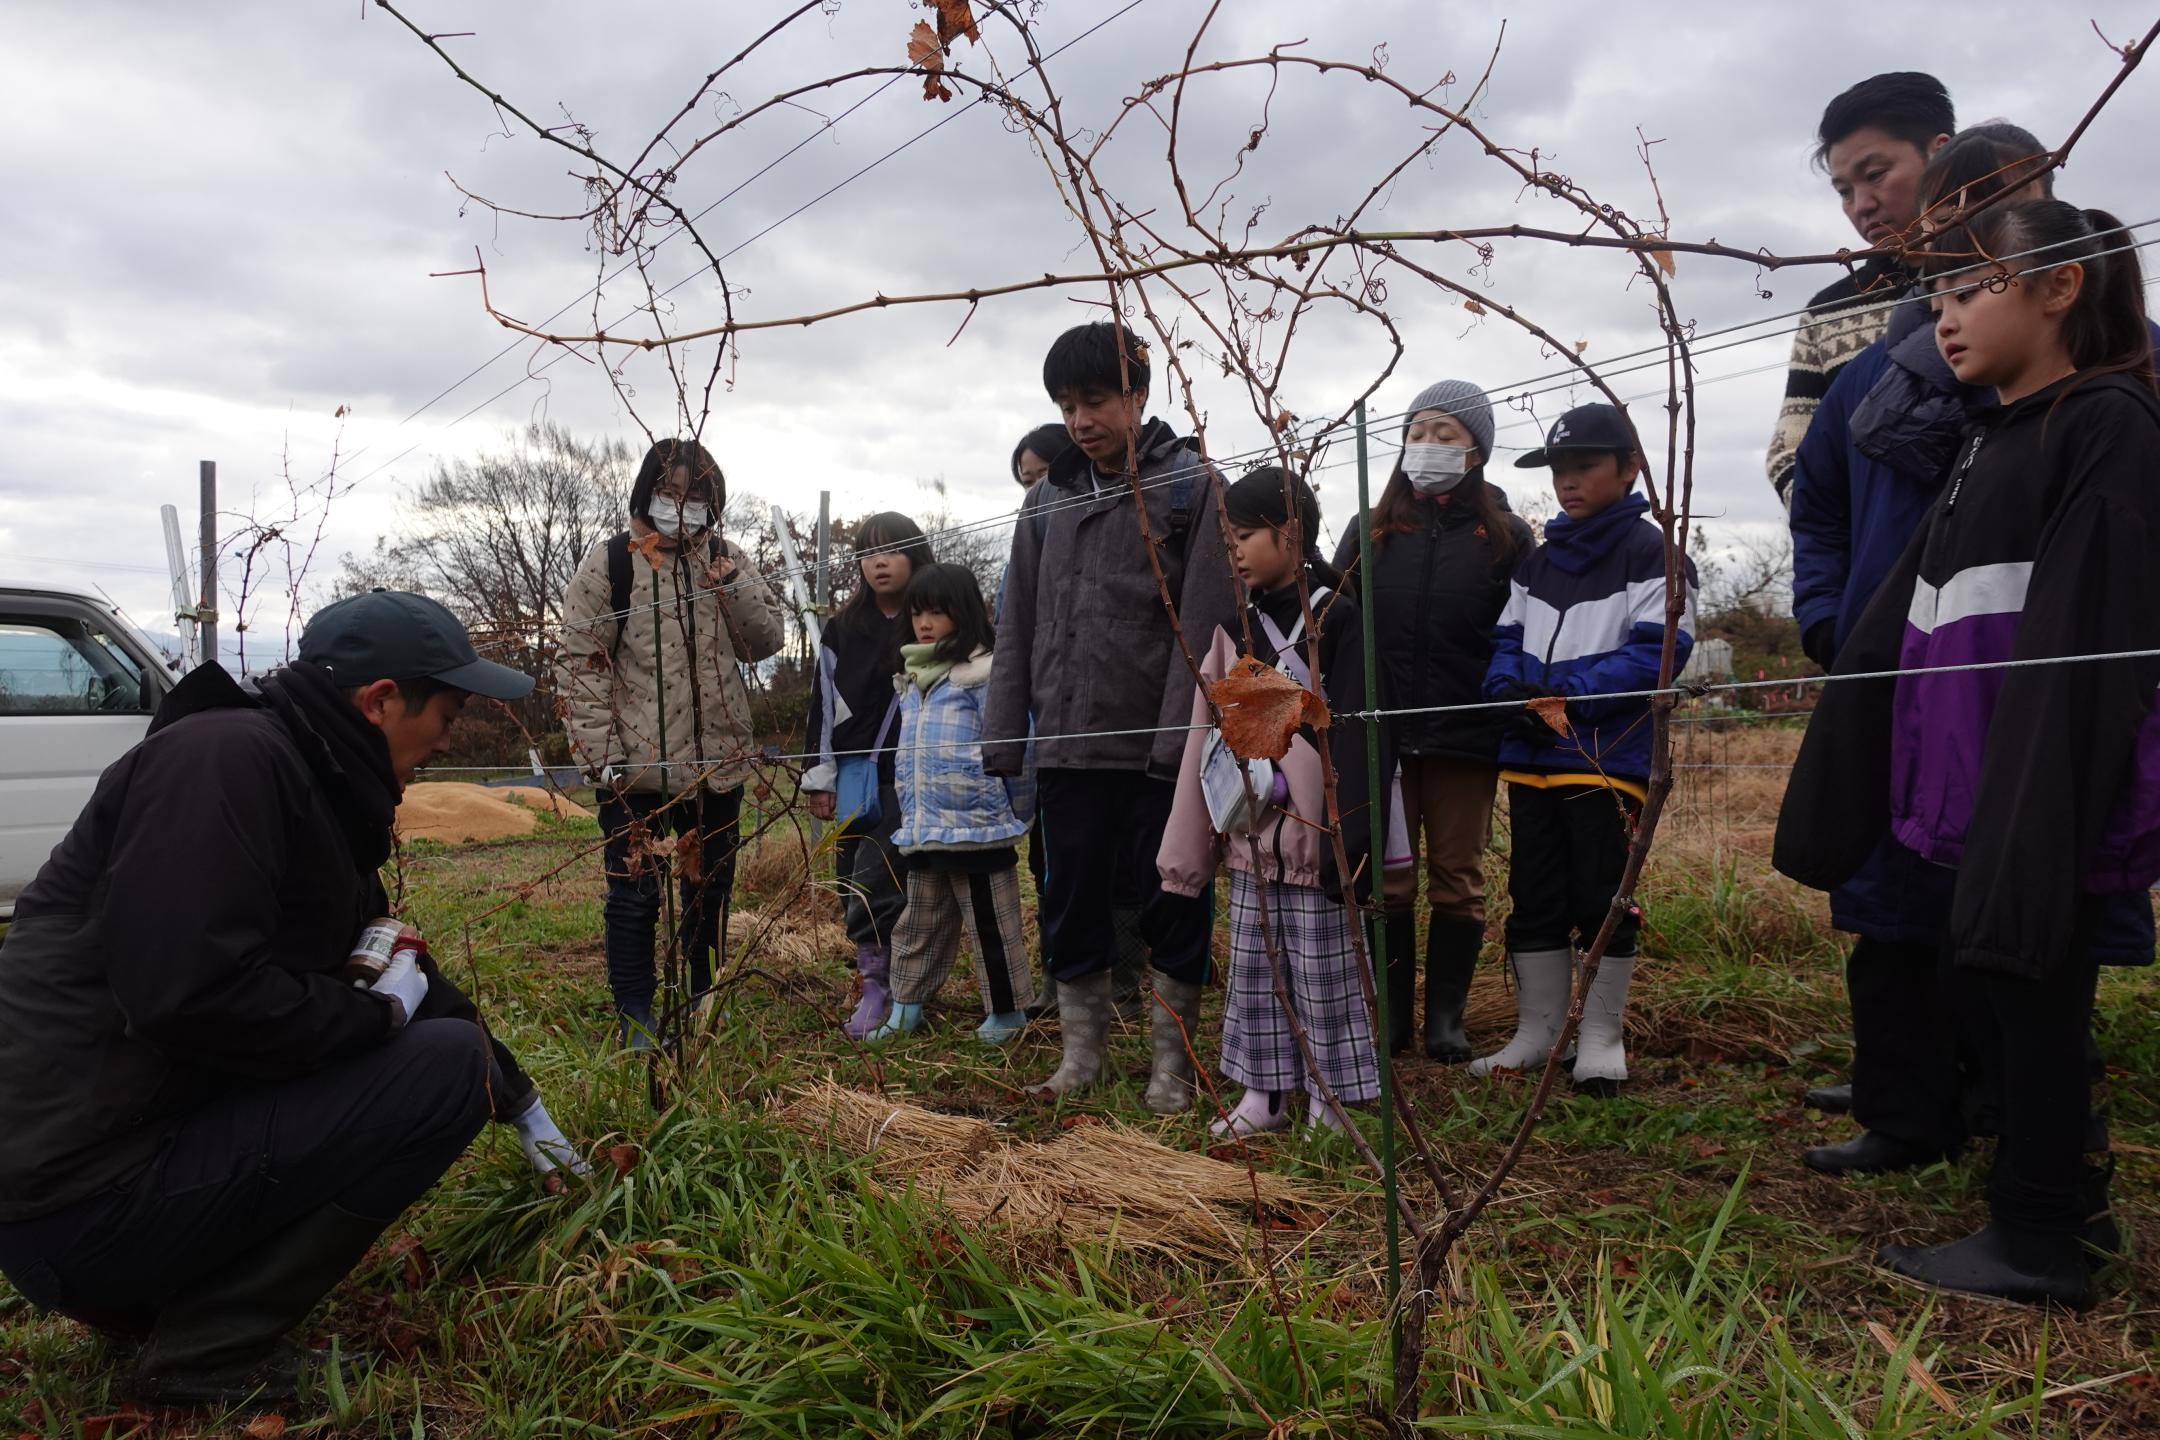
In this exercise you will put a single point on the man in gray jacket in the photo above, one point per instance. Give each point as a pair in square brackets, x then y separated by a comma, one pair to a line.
[1089, 650]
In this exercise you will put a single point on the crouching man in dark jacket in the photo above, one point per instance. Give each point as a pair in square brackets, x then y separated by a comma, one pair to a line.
[203, 1125]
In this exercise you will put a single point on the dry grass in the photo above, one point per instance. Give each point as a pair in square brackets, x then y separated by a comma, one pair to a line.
[805, 937]
[1095, 1181]
[1728, 781]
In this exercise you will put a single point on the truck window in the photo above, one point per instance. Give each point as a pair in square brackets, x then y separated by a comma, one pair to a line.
[64, 666]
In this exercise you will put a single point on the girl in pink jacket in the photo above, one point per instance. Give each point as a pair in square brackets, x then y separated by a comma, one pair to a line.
[1278, 847]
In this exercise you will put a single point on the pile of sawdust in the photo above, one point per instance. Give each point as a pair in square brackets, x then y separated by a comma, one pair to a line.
[453, 812]
[1094, 1182]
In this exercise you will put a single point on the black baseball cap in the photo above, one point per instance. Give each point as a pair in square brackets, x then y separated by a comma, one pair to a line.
[396, 635]
[1586, 427]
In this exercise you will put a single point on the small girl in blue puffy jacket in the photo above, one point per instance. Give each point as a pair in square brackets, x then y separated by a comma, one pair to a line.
[959, 825]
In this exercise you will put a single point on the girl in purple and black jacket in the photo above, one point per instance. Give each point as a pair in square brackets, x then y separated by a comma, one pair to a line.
[2040, 784]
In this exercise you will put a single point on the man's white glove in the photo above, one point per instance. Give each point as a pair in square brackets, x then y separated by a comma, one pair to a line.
[403, 984]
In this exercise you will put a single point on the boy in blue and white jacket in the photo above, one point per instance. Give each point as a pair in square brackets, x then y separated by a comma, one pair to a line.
[1585, 616]
[960, 826]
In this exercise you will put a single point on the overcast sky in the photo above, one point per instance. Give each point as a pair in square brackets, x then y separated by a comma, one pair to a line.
[223, 220]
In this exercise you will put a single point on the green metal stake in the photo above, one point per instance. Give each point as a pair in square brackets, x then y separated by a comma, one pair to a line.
[672, 958]
[1376, 815]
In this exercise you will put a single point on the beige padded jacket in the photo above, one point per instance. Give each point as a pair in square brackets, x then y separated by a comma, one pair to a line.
[672, 688]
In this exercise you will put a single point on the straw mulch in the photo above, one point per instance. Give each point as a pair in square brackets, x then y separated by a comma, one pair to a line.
[792, 939]
[1093, 1182]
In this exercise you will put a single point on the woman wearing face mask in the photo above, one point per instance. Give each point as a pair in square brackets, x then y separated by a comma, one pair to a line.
[1444, 544]
[657, 625]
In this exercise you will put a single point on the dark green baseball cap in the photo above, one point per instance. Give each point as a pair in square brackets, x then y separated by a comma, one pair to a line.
[396, 635]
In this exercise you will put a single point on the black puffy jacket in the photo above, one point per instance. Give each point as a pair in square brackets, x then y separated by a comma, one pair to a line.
[1436, 593]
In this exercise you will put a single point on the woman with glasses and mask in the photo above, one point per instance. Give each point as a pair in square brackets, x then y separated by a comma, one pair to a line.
[657, 626]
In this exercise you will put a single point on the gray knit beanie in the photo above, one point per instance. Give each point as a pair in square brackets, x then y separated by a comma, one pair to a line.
[1462, 400]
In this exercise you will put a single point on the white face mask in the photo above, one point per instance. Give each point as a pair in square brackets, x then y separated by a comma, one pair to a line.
[671, 517]
[1435, 469]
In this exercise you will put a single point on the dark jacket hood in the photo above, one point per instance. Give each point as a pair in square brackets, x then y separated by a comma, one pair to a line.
[347, 755]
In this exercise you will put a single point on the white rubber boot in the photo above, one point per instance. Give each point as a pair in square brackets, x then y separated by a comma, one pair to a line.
[1542, 980]
[1600, 1047]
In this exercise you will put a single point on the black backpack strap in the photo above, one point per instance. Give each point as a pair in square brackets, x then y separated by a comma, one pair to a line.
[618, 584]
[1181, 490]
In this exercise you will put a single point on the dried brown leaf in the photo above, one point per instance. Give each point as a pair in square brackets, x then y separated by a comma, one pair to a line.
[650, 546]
[640, 848]
[1552, 709]
[1914, 1370]
[1262, 708]
[1473, 307]
[955, 20]
[623, 1157]
[414, 1261]
[924, 49]
[1664, 259]
[267, 1426]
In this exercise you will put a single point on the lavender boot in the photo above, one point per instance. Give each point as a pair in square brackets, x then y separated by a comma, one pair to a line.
[870, 1012]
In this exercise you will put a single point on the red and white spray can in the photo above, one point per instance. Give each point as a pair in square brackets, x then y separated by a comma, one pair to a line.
[377, 946]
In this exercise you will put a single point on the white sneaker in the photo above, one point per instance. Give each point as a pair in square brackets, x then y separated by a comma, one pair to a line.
[1256, 1112]
[1321, 1116]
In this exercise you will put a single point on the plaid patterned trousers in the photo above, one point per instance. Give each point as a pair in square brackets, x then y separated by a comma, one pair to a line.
[940, 904]
[1313, 934]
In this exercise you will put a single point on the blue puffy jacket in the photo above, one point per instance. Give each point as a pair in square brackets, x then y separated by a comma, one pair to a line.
[1852, 515]
[947, 800]
[1585, 615]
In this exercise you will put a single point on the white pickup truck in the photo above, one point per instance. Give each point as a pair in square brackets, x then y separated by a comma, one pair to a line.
[78, 685]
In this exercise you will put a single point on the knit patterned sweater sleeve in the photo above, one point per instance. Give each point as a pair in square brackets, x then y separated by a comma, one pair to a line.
[1842, 320]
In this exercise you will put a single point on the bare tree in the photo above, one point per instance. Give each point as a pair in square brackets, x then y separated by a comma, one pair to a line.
[1753, 572]
[497, 539]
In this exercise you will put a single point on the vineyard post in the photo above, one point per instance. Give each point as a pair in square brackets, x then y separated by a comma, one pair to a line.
[206, 613]
[1376, 818]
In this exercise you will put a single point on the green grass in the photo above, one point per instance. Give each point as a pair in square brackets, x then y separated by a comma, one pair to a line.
[1660, 1267]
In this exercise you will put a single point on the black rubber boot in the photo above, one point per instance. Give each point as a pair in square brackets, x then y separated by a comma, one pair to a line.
[225, 1342]
[1402, 963]
[1451, 956]
[635, 1028]
[1870, 1153]
[2026, 1266]
[1830, 1099]
[2102, 1236]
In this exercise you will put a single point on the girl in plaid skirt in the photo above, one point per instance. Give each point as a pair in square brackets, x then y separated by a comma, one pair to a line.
[1278, 847]
[959, 827]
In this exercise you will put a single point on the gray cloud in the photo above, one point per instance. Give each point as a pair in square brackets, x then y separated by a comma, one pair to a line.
[226, 219]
